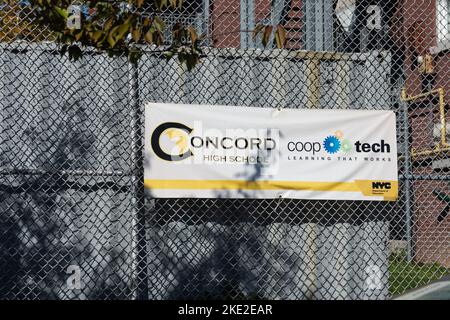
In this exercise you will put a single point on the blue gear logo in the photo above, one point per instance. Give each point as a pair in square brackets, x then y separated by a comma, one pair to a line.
[331, 144]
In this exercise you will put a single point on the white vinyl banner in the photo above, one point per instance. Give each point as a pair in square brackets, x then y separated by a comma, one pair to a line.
[200, 151]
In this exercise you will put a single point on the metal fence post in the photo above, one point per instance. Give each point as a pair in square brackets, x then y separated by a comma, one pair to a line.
[407, 179]
[138, 186]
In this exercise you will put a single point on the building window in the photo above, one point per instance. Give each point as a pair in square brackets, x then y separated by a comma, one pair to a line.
[443, 23]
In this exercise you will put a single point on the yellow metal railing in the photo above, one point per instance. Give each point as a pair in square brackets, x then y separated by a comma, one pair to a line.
[442, 146]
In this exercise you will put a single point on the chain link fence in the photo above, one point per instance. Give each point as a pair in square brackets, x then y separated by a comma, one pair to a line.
[75, 221]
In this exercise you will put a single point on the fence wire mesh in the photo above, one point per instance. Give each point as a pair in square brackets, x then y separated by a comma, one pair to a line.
[75, 222]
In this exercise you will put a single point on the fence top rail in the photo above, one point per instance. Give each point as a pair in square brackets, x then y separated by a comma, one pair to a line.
[275, 54]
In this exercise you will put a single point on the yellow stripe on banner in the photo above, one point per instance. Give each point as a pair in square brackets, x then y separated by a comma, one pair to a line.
[251, 185]
[389, 192]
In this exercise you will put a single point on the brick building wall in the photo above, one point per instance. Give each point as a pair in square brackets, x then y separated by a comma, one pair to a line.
[431, 237]
[226, 26]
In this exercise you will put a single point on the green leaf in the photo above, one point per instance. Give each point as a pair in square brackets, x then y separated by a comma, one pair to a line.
[177, 27]
[280, 36]
[96, 35]
[149, 37]
[266, 35]
[159, 23]
[63, 13]
[136, 34]
[79, 35]
[257, 30]
[118, 32]
[108, 24]
[192, 34]
[160, 4]
[111, 39]
[159, 38]
[168, 54]
[176, 4]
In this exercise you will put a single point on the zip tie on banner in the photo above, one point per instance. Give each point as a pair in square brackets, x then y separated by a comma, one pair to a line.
[280, 199]
[276, 112]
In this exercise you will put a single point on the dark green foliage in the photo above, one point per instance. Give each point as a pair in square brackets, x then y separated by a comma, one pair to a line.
[119, 30]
